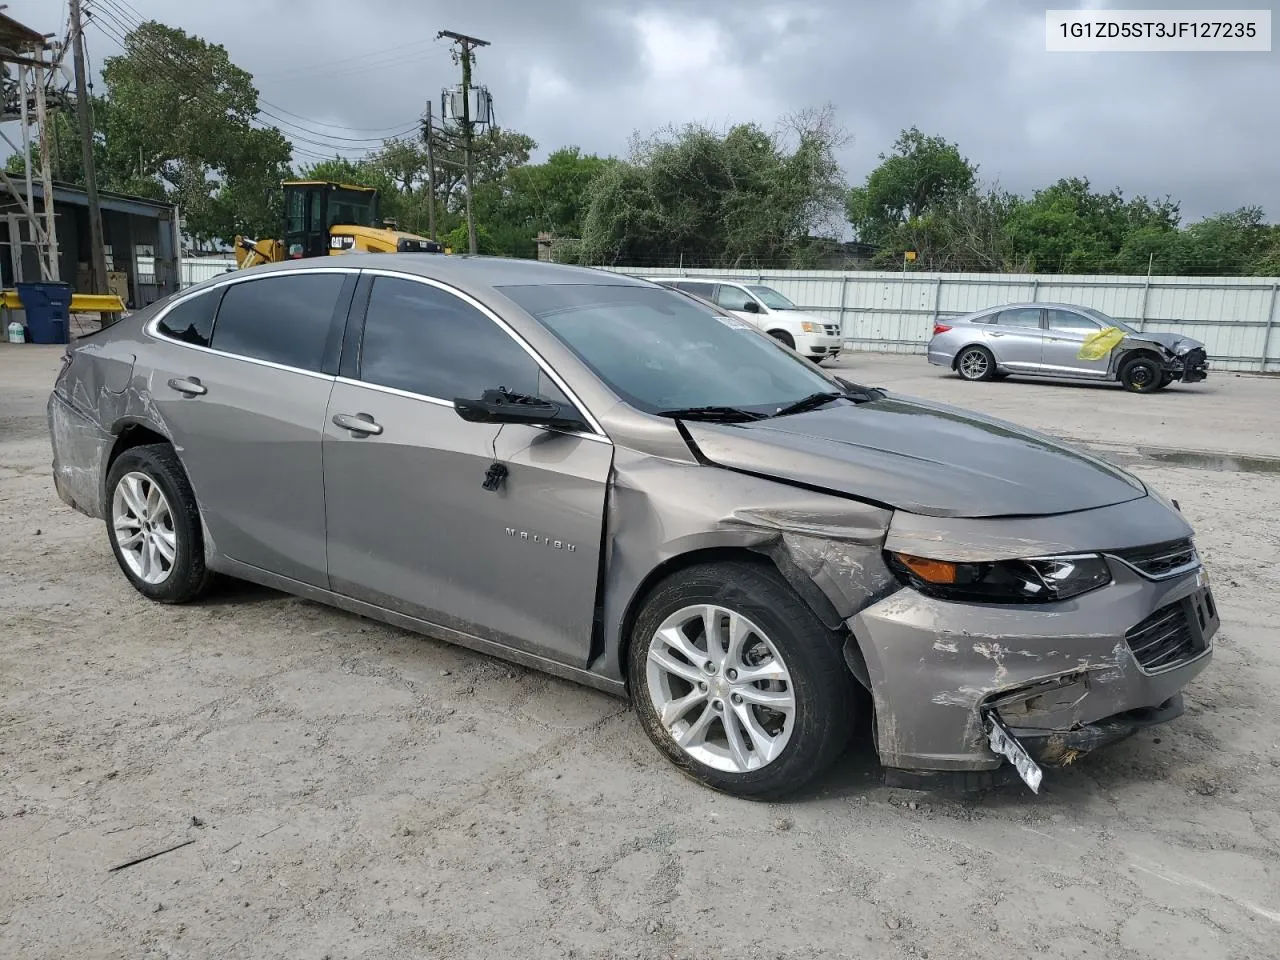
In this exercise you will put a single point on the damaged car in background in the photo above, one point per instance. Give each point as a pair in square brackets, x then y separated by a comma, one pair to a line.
[1059, 340]
[597, 477]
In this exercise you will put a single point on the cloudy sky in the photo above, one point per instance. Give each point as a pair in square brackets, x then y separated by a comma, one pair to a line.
[1202, 127]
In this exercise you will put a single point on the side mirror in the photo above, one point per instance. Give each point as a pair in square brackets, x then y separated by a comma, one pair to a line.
[751, 307]
[501, 406]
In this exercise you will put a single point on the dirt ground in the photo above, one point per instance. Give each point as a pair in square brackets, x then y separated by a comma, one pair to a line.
[347, 789]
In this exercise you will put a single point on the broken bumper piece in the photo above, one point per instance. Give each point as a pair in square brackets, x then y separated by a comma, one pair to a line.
[1030, 752]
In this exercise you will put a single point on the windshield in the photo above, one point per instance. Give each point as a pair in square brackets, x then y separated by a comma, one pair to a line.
[771, 298]
[356, 208]
[660, 351]
[1106, 321]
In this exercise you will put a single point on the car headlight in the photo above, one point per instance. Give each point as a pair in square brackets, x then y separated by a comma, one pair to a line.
[1036, 580]
[809, 327]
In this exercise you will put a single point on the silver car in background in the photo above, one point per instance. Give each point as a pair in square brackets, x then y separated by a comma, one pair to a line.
[603, 479]
[1044, 340]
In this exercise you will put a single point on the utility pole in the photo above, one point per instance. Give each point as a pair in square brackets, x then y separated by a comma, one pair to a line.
[429, 132]
[98, 263]
[46, 181]
[465, 45]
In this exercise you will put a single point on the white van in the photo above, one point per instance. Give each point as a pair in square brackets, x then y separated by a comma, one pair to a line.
[818, 338]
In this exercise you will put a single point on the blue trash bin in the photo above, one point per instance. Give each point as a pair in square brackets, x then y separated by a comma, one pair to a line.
[48, 310]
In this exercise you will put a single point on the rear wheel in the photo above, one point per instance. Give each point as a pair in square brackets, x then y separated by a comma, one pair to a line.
[737, 682]
[783, 337]
[1141, 374]
[154, 525]
[975, 363]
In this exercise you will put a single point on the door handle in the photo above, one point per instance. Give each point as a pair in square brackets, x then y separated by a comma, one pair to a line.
[362, 424]
[995, 334]
[188, 386]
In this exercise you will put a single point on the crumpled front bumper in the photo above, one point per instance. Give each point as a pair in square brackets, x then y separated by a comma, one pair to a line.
[1063, 677]
[1191, 367]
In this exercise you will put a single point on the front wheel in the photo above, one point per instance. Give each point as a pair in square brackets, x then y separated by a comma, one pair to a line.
[1141, 375]
[737, 682]
[783, 337]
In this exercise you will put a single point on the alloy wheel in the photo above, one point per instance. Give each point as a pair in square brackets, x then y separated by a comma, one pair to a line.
[720, 688]
[143, 525]
[974, 365]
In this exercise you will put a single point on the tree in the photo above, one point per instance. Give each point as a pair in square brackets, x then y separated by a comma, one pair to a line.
[177, 122]
[1068, 228]
[919, 176]
[457, 241]
[694, 195]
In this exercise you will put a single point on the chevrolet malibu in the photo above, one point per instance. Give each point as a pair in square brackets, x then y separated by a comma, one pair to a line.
[596, 477]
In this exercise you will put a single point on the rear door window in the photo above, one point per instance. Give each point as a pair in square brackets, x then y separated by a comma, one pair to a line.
[284, 319]
[191, 321]
[1020, 317]
[698, 288]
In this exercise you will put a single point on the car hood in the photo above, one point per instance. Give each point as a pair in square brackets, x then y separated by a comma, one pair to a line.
[918, 456]
[1175, 342]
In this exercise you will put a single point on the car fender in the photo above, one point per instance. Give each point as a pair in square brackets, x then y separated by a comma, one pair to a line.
[662, 515]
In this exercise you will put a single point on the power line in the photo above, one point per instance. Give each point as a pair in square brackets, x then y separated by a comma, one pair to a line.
[125, 26]
[209, 96]
[377, 59]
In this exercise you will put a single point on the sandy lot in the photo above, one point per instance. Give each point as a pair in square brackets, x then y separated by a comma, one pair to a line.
[352, 790]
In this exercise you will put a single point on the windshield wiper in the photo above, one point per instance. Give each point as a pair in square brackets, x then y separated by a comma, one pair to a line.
[811, 402]
[714, 413]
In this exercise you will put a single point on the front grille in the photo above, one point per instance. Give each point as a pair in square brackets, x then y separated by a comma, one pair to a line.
[1161, 559]
[1164, 639]
[833, 330]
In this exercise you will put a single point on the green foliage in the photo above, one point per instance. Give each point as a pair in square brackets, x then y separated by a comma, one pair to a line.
[1067, 228]
[922, 175]
[457, 241]
[697, 196]
[177, 115]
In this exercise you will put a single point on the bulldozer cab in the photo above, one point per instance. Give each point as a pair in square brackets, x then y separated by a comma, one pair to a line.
[313, 207]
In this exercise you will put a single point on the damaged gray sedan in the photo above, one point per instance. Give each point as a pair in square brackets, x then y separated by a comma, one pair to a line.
[599, 478]
[1060, 340]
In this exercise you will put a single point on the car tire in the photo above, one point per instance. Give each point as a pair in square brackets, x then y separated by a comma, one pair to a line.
[732, 742]
[153, 525]
[1141, 374]
[783, 337]
[975, 364]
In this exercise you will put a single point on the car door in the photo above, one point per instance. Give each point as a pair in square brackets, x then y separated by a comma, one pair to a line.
[411, 525]
[1016, 338]
[245, 407]
[741, 304]
[1067, 332]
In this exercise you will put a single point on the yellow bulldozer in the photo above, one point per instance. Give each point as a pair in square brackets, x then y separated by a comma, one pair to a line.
[323, 218]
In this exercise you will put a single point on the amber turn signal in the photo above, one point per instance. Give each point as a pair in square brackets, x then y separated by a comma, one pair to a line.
[930, 571]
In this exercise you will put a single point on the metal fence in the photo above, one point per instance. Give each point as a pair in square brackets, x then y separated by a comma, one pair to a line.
[195, 269]
[891, 312]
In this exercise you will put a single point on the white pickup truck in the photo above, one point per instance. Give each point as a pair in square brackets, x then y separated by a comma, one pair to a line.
[817, 338]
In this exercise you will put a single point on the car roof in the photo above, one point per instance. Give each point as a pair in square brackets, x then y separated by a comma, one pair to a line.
[462, 271]
[1025, 305]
